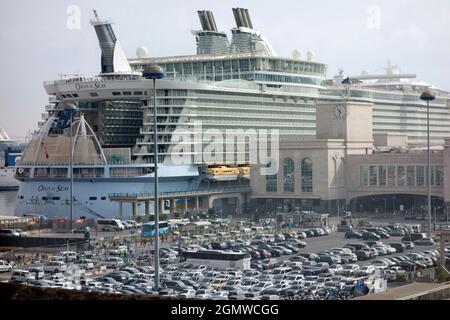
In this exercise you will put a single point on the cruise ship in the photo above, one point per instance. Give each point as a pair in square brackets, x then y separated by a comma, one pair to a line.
[397, 108]
[101, 127]
[10, 153]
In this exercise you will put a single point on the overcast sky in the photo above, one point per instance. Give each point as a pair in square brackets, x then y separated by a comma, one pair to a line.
[36, 43]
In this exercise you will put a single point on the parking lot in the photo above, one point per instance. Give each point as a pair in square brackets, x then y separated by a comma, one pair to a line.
[283, 265]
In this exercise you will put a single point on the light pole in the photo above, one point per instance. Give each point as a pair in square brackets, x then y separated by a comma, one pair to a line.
[155, 72]
[72, 109]
[428, 96]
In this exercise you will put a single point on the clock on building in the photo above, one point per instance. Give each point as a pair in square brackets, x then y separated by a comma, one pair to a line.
[339, 112]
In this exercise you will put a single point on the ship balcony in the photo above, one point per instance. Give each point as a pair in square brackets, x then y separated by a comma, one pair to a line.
[165, 123]
[49, 107]
[148, 131]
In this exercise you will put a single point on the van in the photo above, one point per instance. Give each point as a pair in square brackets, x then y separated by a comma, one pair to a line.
[281, 271]
[413, 237]
[66, 256]
[20, 276]
[110, 225]
[356, 246]
[36, 272]
[9, 233]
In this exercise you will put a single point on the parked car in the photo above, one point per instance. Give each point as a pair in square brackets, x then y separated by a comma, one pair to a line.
[118, 250]
[399, 247]
[370, 236]
[366, 270]
[350, 269]
[67, 256]
[20, 276]
[81, 229]
[37, 272]
[363, 255]
[113, 262]
[424, 242]
[5, 266]
[55, 267]
[389, 275]
[397, 233]
[9, 233]
[400, 272]
[86, 264]
[351, 234]
[413, 237]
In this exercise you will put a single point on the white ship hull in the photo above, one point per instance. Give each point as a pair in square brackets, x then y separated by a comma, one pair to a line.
[51, 198]
[7, 180]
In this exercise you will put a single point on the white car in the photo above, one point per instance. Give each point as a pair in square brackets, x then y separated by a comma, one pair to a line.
[367, 270]
[390, 249]
[55, 267]
[350, 269]
[187, 293]
[380, 264]
[57, 278]
[68, 256]
[86, 264]
[5, 266]
[131, 223]
[66, 285]
[19, 275]
[119, 250]
[350, 256]
[336, 269]
[113, 262]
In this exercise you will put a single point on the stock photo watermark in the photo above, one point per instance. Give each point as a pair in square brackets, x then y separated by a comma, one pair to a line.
[73, 21]
[227, 146]
[373, 21]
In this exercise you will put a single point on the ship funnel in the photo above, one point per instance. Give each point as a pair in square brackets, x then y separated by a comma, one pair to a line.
[209, 39]
[113, 58]
[207, 20]
[242, 18]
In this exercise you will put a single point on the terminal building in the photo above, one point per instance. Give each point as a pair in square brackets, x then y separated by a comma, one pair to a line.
[348, 167]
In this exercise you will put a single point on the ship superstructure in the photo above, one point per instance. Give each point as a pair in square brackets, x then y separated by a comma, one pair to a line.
[228, 85]
[397, 108]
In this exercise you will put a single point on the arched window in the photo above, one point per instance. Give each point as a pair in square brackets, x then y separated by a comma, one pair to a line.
[289, 175]
[271, 181]
[307, 175]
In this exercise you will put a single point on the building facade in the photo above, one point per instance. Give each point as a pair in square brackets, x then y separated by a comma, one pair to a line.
[343, 170]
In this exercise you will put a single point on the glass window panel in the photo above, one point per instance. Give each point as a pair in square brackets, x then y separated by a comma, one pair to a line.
[432, 175]
[382, 175]
[289, 175]
[307, 175]
[410, 172]
[401, 176]
[364, 175]
[439, 176]
[271, 182]
[391, 176]
[373, 176]
[420, 176]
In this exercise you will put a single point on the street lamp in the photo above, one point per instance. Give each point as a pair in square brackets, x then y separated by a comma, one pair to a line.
[72, 109]
[155, 72]
[428, 96]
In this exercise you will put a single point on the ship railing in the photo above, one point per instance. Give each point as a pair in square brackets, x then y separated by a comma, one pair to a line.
[93, 79]
[100, 163]
[178, 193]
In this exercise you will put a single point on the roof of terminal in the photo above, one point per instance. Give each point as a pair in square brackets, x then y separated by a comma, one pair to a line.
[406, 292]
